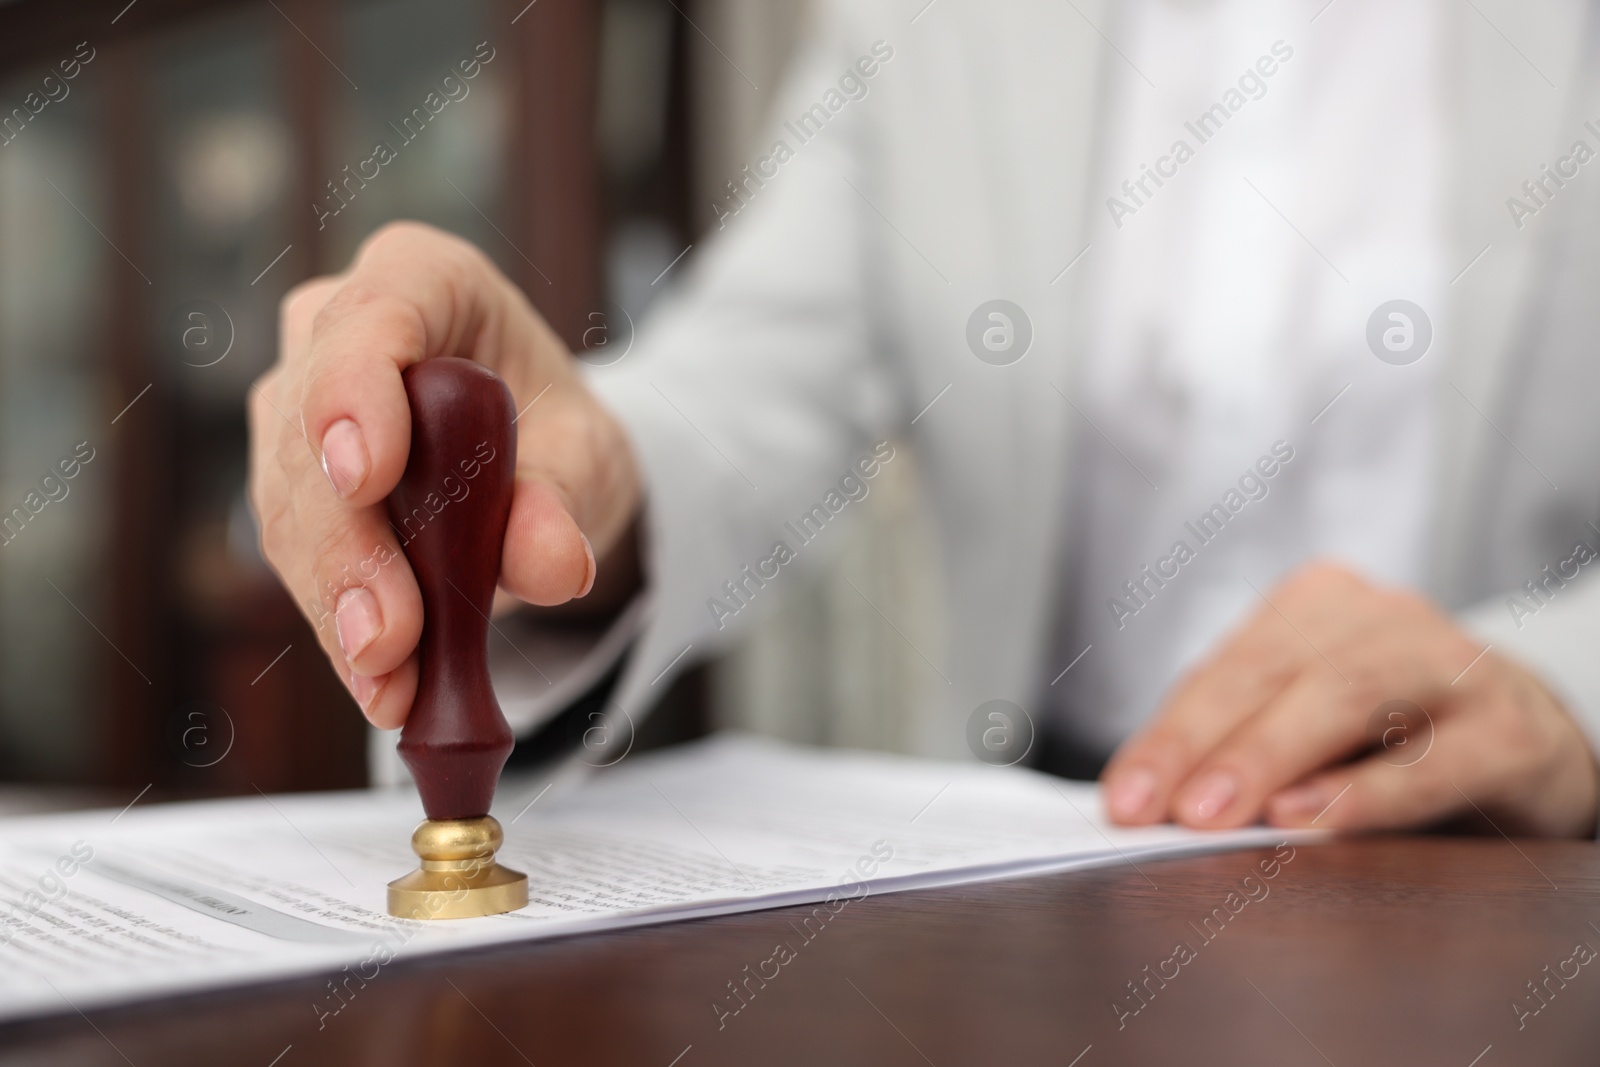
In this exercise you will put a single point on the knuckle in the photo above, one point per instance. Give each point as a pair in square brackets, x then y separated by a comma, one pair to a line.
[1258, 651]
[1467, 643]
[275, 526]
[1366, 694]
[1168, 748]
[255, 401]
[399, 233]
[355, 298]
[1521, 733]
[300, 302]
[1258, 662]
[409, 238]
[346, 298]
[259, 402]
[328, 546]
[1320, 578]
[265, 384]
[1406, 605]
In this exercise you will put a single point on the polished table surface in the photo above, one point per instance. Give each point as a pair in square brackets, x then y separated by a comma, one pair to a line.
[1389, 950]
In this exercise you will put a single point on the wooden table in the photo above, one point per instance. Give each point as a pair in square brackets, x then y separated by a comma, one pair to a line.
[1406, 951]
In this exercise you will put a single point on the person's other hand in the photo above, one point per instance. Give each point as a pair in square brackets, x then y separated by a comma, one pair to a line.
[330, 431]
[1280, 725]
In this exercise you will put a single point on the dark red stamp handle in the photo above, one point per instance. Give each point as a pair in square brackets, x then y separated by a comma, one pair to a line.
[450, 511]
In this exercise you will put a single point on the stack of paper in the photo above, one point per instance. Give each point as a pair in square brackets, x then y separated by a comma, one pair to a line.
[105, 907]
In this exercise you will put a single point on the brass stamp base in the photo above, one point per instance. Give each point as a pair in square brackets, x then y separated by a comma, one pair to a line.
[454, 895]
[458, 878]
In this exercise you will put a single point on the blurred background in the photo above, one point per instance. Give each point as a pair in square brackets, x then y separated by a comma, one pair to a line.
[154, 208]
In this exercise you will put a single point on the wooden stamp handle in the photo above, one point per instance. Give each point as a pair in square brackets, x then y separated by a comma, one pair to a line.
[450, 512]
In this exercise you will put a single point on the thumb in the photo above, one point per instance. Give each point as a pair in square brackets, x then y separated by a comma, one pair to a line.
[547, 559]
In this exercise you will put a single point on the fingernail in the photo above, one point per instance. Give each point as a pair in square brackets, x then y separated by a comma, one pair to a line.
[1300, 801]
[344, 457]
[588, 581]
[1213, 793]
[364, 689]
[1130, 791]
[359, 621]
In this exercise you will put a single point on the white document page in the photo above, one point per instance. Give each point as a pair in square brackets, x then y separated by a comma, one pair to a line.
[102, 907]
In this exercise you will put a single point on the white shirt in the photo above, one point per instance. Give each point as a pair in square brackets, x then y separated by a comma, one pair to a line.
[1232, 310]
[837, 305]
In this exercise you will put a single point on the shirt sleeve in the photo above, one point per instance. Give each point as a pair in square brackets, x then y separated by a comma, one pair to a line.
[754, 390]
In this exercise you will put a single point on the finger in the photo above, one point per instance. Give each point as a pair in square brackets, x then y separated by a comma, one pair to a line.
[1312, 723]
[567, 456]
[267, 409]
[1378, 793]
[296, 314]
[413, 293]
[341, 562]
[387, 699]
[366, 612]
[1496, 759]
[1253, 667]
[352, 561]
[547, 560]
